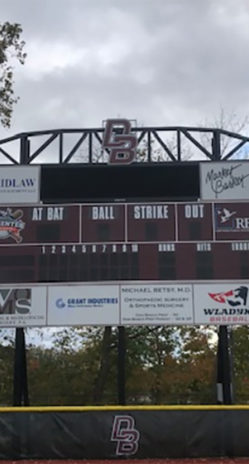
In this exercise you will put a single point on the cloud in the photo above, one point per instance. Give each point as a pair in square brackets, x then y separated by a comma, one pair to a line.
[174, 62]
[161, 62]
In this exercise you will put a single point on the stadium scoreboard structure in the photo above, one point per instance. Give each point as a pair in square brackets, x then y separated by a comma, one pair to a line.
[123, 238]
[124, 241]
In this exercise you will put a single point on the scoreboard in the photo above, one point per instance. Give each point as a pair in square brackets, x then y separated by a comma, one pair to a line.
[120, 241]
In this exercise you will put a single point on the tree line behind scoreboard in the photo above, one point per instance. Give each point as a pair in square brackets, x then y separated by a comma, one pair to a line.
[164, 365]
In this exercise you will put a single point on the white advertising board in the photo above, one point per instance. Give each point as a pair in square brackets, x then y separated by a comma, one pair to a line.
[156, 304]
[221, 304]
[225, 180]
[19, 184]
[224, 303]
[23, 306]
[83, 304]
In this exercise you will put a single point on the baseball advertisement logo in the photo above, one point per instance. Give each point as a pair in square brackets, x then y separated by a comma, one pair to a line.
[83, 304]
[11, 225]
[15, 300]
[225, 218]
[22, 307]
[125, 435]
[221, 304]
[232, 297]
[231, 217]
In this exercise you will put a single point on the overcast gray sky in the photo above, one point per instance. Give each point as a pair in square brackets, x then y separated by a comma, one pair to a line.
[161, 62]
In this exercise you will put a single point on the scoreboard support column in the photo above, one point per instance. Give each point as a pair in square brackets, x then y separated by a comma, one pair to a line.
[121, 366]
[224, 367]
[20, 387]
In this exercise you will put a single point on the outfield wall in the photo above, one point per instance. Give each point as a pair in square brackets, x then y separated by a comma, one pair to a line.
[120, 432]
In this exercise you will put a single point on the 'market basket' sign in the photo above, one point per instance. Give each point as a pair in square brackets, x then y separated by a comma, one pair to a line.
[228, 180]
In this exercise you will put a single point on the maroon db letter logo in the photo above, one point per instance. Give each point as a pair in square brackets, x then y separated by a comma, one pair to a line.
[123, 145]
[125, 434]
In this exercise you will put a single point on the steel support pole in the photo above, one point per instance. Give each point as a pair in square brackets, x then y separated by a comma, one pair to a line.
[224, 367]
[20, 388]
[121, 366]
[20, 378]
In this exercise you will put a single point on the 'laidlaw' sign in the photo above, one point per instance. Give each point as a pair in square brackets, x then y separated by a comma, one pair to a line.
[19, 184]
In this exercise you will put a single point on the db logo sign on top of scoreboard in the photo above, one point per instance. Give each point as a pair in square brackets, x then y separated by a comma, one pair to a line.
[119, 140]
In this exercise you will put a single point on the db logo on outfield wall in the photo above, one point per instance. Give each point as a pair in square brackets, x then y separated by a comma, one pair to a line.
[125, 434]
[119, 140]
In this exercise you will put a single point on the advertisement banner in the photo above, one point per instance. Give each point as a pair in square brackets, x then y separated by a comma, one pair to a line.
[22, 306]
[224, 303]
[221, 304]
[150, 304]
[19, 184]
[227, 180]
[83, 304]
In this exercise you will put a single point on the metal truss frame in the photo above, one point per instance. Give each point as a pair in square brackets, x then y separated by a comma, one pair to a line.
[155, 144]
